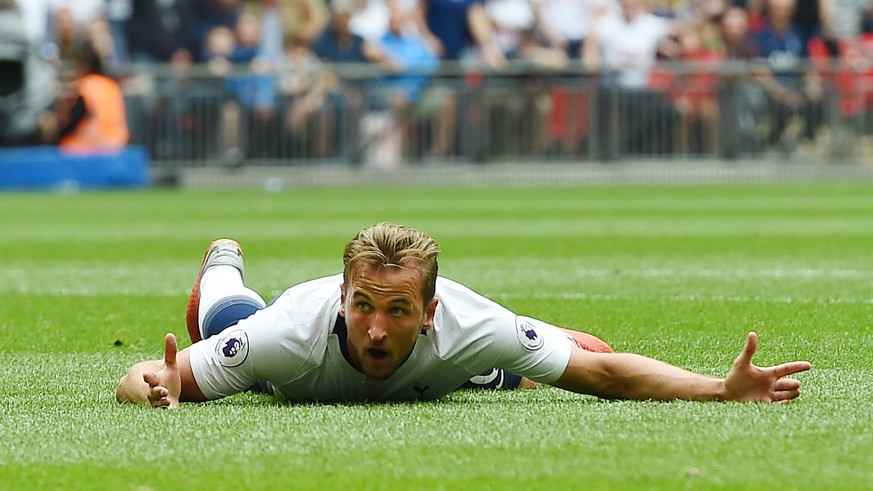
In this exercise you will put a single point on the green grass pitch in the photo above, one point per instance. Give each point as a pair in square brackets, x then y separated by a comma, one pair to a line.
[90, 283]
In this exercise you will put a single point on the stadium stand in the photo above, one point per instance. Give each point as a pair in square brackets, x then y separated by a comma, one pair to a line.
[224, 84]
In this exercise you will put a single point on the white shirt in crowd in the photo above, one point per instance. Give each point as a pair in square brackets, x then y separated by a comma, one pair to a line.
[371, 21]
[571, 18]
[37, 14]
[510, 19]
[631, 48]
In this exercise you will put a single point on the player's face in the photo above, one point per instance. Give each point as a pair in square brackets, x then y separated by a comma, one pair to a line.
[385, 313]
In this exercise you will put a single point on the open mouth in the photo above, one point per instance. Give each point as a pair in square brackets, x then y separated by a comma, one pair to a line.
[377, 354]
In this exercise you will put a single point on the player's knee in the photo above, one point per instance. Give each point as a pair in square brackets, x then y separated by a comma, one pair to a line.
[227, 313]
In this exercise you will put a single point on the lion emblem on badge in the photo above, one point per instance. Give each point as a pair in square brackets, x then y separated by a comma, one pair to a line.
[233, 348]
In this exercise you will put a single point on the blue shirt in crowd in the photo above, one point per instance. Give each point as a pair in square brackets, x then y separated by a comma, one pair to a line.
[412, 53]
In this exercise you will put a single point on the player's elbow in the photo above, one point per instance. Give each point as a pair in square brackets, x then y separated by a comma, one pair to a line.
[614, 382]
[119, 393]
[123, 390]
[131, 387]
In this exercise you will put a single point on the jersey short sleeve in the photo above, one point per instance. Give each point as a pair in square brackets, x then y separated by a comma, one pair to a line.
[279, 343]
[539, 351]
[478, 333]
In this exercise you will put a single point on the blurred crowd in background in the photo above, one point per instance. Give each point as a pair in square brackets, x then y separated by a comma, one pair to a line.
[657, 68]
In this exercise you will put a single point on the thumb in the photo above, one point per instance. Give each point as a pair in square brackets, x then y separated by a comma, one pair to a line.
[749, 350]
[170, 349]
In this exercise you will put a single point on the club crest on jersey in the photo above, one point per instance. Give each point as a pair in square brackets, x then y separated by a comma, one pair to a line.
[233, 348]
[527, 334]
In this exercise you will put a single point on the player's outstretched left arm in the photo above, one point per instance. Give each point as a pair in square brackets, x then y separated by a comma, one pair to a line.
[629, 376]
[160, 383]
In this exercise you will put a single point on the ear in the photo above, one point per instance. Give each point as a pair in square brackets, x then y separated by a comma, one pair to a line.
[429, 313]
[342, 311]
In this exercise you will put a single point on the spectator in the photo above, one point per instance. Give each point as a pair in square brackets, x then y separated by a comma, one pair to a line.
[851, 74]
[98, 32]
[674, 10]
[695, 93]
[813, 18]
[519, 34]
[743, 100]
[303, 20]
[734, 30]
[163, 32]
[517, 117]
[410, 100]
[218, 49]
[161, 35]
[793, 92]
[702, 49]
[338, 46]
[118, 14]
[219, 46]
[708, 15]
[311, 100]
[510, 21]
[235, 56]
[627, 45]
[403, 50]
[271, 29]
[65, 37]
[370, 19]
[91, 117]
[624, 48]
[755, 11]
[867, 20]
[848, 18]
[68, 20]
[565, 23]
[254, 88]
[83, 11]
[460, 31]
[209, 14]
[453, 27]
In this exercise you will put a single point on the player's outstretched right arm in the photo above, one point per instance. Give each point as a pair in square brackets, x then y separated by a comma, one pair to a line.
[161, 383]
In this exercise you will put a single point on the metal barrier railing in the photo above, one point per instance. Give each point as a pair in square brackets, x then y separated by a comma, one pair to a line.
[373, 118]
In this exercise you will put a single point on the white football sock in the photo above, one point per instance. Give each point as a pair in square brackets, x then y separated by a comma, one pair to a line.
[219, 282]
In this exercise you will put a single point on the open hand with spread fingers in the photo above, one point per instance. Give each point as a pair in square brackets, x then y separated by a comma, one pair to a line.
[747, 382]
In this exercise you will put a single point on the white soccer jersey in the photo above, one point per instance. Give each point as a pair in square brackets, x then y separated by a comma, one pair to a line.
[297, 345]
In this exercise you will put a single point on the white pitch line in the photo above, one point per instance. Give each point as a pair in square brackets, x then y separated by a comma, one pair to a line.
[703, 273]
[93, 281]
[692, 298]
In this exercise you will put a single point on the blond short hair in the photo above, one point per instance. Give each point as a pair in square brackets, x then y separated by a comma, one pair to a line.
[391, 245]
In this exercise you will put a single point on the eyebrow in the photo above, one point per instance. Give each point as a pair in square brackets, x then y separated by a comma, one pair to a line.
[401, 300]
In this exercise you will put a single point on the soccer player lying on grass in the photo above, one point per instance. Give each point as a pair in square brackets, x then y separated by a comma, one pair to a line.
[388, 328]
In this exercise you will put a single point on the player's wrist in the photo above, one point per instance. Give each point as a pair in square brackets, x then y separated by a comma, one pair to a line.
[710, 389]
[720, 390]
